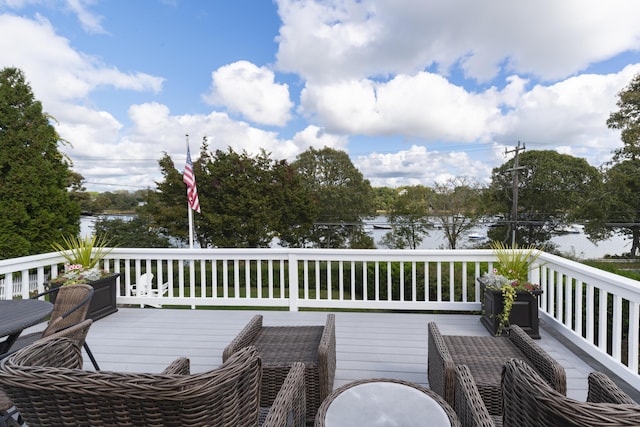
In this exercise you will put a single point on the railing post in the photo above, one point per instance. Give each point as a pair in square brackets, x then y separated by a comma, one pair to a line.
[293, 282]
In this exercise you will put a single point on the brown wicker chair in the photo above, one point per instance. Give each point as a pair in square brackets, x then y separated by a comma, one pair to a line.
[530, 402]
[70, 308]
[473, 413]
[48, 386]
[77, 333]
[485, 356]
[281, 346]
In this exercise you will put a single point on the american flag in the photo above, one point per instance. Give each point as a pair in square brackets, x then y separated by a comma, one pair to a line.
[189, 178]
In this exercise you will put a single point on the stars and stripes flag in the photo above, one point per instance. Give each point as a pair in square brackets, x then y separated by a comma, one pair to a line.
[189, 178]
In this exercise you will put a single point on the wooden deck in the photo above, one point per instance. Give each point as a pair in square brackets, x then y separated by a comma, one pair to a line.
[382, 345]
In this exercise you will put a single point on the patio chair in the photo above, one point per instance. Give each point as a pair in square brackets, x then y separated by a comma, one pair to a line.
[472, 411]
[70, 308]
[9, 415]
[485, 356]
[281, 346]
[48, 386]
[144, 287]
[529, 401]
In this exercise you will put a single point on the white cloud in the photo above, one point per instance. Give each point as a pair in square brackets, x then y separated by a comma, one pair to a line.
[251, 91]
[89, 21]
[418, 166]
[54, 69]
[351, 39]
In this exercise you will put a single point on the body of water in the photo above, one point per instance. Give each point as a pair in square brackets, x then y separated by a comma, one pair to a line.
[573, 244]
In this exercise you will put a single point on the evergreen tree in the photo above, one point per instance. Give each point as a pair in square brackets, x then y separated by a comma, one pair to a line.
[36, 208]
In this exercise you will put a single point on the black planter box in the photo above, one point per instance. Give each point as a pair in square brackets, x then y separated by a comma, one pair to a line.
[103, 302]
[524, 311]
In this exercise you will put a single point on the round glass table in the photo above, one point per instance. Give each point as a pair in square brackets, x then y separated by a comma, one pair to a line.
[384, 402]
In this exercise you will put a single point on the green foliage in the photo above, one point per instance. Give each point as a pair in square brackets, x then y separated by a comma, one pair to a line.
[627, 119]
[246, 201]
[553, 189]
[457, 205]
[341, 195]
[408, 218]
[36, 207]
[514, 263]
[134, 233]
[85, 251]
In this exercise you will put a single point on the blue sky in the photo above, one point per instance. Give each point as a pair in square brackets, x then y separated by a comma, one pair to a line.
[415, 91]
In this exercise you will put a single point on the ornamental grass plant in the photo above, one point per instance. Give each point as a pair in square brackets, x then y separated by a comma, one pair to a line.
[510, 275]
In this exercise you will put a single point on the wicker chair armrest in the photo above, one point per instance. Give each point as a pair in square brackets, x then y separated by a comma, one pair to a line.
[603, 390]
[440, 366]
[245, 338]
[180, 366]
[469, 406]
[289, 407]
[327, 357]
[551, 371]
[67, 354]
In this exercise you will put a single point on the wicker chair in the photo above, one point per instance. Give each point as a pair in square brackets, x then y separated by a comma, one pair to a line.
[485, 356]
[529, 402]
[473, 413]
[70, 308]
[281, 346]
[77, 333]
[48, 386]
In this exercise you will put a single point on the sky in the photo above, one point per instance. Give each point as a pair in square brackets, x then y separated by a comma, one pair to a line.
[415, 91]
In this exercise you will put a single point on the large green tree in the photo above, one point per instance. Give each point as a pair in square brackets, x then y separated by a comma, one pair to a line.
[627, 119]
[36, 208]
[457, 207]
[553, 190]
[246, 201]
[408, 217]
[342, 196]
[617, 210]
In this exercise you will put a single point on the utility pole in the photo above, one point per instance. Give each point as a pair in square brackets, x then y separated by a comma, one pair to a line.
[514, 179]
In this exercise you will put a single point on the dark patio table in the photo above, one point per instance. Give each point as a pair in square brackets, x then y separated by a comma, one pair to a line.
[17, 315]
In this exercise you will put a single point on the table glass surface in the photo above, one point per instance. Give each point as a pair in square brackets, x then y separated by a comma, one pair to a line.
[16, 315]
[385, 404]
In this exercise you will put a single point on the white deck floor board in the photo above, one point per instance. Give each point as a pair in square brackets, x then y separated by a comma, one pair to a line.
[369, 345]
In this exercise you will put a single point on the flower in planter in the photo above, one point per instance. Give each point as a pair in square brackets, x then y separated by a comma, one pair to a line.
[510, 276]
[83, 255]
[76, 273]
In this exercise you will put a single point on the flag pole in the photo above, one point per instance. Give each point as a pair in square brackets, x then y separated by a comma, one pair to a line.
[189, 206]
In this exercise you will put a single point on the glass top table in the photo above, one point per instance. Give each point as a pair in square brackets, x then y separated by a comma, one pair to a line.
[17, 315]
[384, 402]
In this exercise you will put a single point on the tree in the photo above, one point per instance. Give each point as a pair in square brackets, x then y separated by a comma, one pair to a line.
[553, 190]
[36, 208]
[134, 233]
[342, 196]
[617, 207]
[457, 208]
[627, 118]
[238, 199]
[246, 201]
[408, 218]
[166, 206]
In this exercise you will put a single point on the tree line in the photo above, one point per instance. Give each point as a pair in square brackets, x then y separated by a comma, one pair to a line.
[319, 200]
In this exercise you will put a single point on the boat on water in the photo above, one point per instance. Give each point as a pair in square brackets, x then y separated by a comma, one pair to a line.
[381, 226]
[476, 236]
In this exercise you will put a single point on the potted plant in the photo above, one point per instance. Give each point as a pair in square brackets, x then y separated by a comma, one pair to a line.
[507, 295]
[83, 255]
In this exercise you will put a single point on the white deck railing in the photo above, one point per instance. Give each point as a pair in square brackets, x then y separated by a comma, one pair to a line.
[596, 310]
